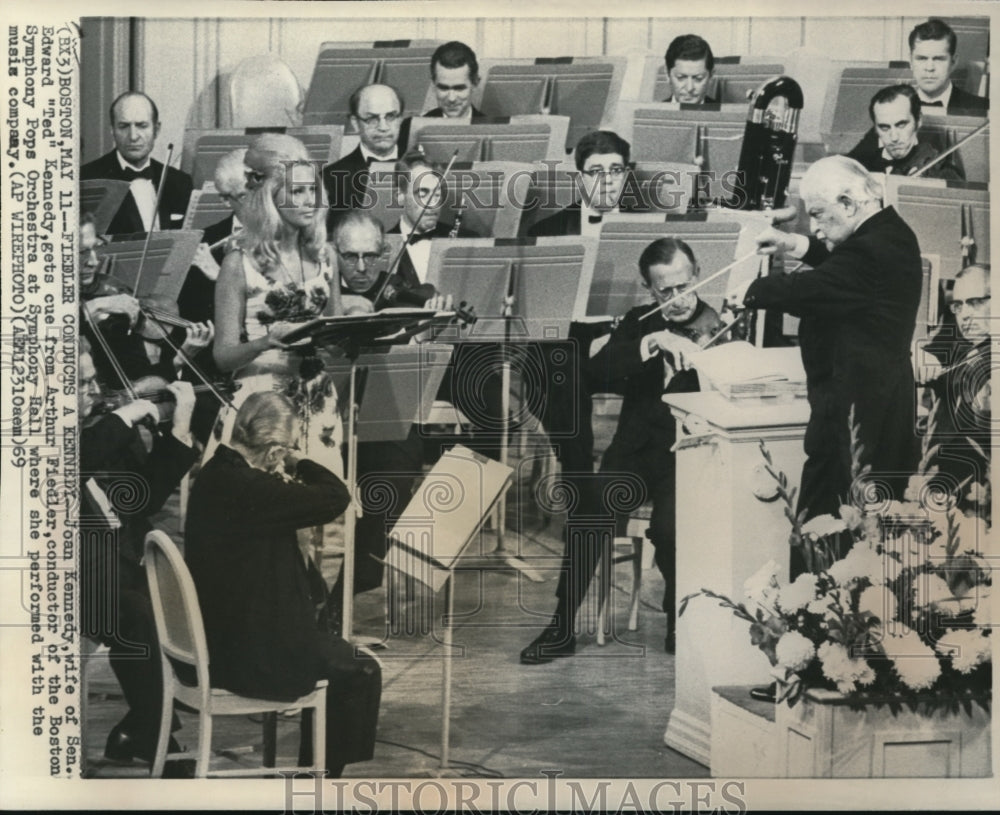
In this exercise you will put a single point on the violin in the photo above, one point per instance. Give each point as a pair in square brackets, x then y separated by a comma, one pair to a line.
[155, 390]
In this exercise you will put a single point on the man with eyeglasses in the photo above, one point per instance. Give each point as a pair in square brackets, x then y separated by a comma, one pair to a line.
[956, 370]
[601, 158]
[376, 114]
[644, 358]
[421, 194]
[690, 63]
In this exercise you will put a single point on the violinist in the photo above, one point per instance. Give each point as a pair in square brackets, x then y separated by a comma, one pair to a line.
[127, 473]
[642, 360]
[956, 369]
[421, 195]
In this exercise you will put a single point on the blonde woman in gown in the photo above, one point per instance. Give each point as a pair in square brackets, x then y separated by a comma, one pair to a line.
[279, 275]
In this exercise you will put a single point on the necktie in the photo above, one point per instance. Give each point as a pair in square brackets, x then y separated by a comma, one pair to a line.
[937, 104]
[594, 219]
[128, 174]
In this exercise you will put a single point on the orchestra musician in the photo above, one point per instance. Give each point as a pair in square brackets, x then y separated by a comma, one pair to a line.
[377, 115]
[858, 307]
[893, 145]
[643, 359]
[118, 453]
[253, 583]
[454, 76]
[956, 369]
[932, 60]
[690, 63]
[135, 124]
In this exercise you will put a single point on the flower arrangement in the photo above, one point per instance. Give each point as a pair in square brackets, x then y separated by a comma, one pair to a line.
[895, 606]
[293, 303]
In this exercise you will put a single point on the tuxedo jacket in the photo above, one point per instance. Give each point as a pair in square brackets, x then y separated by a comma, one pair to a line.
[196, 300]
[436, 113]
[868, 152]
[963, 102]
[564, 222]
[173, 203]
[345, 181]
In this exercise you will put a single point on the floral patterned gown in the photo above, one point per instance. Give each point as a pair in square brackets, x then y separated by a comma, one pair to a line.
[300, 378]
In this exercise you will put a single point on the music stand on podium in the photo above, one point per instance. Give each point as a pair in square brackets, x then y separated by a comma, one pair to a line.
[524, 291]
[426, 542]
[354, 335]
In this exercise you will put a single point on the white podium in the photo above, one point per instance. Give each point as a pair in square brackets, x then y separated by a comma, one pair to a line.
[725, 533]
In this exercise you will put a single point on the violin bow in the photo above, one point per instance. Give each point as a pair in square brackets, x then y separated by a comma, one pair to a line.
[698, 285]
[156, 214]
[937, 159]
[409, 238]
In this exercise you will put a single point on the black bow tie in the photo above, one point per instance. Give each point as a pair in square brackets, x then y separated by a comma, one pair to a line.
[370, 159]
[594, 219]
[130, 175]
[937, 104]
[416, 237]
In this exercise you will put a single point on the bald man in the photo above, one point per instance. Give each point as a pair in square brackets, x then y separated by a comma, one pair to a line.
[135, 125]
[376, 113]
[858, 305]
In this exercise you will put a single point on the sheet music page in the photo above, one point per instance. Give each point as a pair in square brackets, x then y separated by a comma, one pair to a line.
[65, 62]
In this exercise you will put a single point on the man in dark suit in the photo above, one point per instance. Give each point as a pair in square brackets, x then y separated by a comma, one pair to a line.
[858, 307]
[642, 360]
[118, 461]
[421, 196]
[690, 63]
[253, 583]
[601, 157]
[932, 60]
[135, 124]
[376, 113]
[455, 75]
[893, 145]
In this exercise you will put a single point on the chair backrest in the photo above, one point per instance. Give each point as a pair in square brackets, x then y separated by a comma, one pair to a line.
[263, 92]
[179, 625]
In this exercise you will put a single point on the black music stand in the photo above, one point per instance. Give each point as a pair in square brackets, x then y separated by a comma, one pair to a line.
[350, 334]
[167, 260]
[102, 198]
[523, 291]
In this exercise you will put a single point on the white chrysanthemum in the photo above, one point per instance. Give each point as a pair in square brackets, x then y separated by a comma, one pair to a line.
[977, 494]
[909, 510]
[934, 591]
[819, 606]
[823, 525]
[914, 661]
[967, 648]
[861, 562]
[852, 517]
[761, 587]
[794, 651]
[880, 601]
[981, 616]
[972, 534]
[841, 668]
[799, 593]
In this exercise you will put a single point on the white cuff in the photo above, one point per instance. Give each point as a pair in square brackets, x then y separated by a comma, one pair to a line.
[644, 352]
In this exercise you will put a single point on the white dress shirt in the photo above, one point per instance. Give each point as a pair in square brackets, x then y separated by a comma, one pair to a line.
[144, 193]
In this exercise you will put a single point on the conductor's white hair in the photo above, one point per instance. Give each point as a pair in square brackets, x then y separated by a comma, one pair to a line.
[836, 176]
[230, 172]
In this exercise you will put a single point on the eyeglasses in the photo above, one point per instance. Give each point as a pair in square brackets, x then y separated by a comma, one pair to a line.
[973, 303]
[372, 121]
[233, 197]
[672, 291]
[616, 171]
[352, 258]
[428, 196]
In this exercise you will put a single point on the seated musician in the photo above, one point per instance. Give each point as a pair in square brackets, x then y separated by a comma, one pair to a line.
[956, 369]
[117, 455]
[135, 125]
[932, 60]
[602, 158]
[196, 301]
[377, 115]
[421, 195]
[253, 587]
[690, 63]
[893, 145]
[644, 359]
[454, 76]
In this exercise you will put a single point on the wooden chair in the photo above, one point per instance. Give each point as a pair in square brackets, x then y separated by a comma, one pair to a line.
[633, 540]
[181, 633]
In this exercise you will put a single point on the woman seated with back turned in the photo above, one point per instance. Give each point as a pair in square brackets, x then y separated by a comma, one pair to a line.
[240, 544]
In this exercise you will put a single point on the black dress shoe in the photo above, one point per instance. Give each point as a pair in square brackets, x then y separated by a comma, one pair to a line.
[122, 747]
[181, 768]
[765, 693]
[551, 643]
